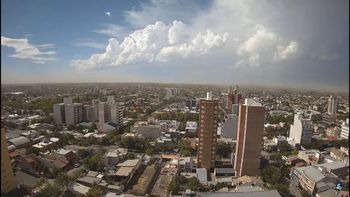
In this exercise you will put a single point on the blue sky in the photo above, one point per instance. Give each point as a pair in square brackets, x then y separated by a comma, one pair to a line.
[279, 43]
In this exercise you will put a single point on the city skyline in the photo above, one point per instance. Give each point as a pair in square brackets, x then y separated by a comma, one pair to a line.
[290, 44]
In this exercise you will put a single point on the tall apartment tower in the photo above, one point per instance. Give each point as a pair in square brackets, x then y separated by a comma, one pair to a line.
[249, 138]
[208, 114]
[332, 106]
[101, 115]
[301, 130]
[8, 182]
[73, 113]
[233, 98]
[59, 113]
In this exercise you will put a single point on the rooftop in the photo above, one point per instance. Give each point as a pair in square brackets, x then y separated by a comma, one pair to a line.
[129, 163]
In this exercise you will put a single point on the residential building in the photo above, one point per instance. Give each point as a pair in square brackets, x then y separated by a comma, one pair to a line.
[229, 127]
[191, 104]
[300, 130]
[332, 106]
[311, 157]
[101, 115]
[345, 130]
[59, 113]
[318, 178]
[249, 138]
[191, 127]
[233, 97]
[146, 129]
[208, 114]
[73, 113]
[8, 182]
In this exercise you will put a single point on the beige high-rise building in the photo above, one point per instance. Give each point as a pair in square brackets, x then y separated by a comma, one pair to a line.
[8, 182]
[249, 138]
[207, 131]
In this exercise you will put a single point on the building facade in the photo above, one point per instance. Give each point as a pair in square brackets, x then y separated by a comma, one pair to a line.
[345, 130]
[332, 106]
[59, 113]
[301, 130]
[207, 131]
[249, 138]
[8, 182]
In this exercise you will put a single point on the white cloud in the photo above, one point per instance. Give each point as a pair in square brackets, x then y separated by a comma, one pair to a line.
[25, 50]
[115, 31]
[155, 43]
[284, 52]
[225, 32]
[109, 14]
[93, 45]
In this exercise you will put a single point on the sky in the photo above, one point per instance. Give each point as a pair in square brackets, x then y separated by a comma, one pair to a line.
[299, 44]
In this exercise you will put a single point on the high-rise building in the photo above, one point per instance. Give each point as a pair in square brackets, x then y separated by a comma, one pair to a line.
[345, 130]
[229, 127]
[191, 104]
[233, 97]
[207, 131]
[332, 106]
[101, 115]
[301, 130]
[169, 93]
[73, 113]
[249, 138]
[8, 182]
[59, 113]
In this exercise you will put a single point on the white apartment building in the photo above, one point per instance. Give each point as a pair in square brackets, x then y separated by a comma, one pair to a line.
[332, 106]
[301, 130]
[59, 113]
[345, 130]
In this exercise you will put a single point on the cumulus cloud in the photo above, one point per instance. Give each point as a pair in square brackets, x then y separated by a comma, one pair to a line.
[25, 50]
[109, 14]
[155, 43]
[244, 42]
[284, 52]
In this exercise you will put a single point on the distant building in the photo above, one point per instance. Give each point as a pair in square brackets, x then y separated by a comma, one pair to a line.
[300, 130]
[191, 104]
[345, 130]
[101, 115]
[147, 130]
[332, 106]
[249, 138]
[169, 93]
[191, 127]
[311, 157]
[8, 182]
[208, 114]
[233, 97]
[73, 113]
[229, 128]
[59, 113]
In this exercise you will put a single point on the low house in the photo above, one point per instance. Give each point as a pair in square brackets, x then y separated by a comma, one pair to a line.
[113, 157]
[20, 142]
[79, 189]
[127, 169]
[186, 164]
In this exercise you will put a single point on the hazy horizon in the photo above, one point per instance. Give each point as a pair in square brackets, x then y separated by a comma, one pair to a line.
[285, 44]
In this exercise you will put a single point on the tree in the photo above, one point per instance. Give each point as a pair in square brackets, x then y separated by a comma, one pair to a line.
[62, 181]
[174, 186]
[31, 150]
[94, 191]
[49, 191]
[193, 183]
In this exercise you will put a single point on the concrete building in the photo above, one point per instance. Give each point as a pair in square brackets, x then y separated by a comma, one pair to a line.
[300, 130]
[8, 182]
[229, 128]
[191, 104]
[233, 97]
[169, 93]
[332, 106]
[101, 115]
[147, 130]
[249, 138]
[345, 130]
[208, 114]
[59, 113]
[73, 113]
[191, 127]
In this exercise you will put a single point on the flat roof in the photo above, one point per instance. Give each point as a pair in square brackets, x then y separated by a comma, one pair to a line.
[82, 189]
[202, 174]
[124, 171]
[129, 163]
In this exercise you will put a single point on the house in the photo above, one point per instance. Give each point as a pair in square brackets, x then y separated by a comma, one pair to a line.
[311, 156]
[20, 142]
[113, 157]
[127, 169]
[186, 164]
